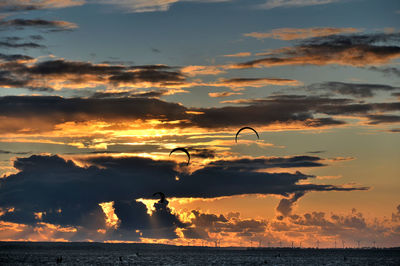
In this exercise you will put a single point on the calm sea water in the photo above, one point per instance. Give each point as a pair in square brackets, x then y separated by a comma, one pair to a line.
[27, 253]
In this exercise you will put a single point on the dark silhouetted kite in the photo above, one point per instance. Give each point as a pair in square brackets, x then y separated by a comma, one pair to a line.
[243, 129]
[162, 196]
[181, 149]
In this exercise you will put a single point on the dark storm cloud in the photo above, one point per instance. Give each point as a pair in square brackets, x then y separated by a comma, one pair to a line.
[278, 162]
[133, 216]
[53, 110]
[354, 50]
[147, 94]
[62, 67]
[283, 109]
[68, 195]
[77, 73]
[67, 192]
[57, 109]
[308, 105]
[354, 89]
[37, 23]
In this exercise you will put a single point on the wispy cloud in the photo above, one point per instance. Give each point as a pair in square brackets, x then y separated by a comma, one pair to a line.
[242, 54]
[23, 5]
[288, 34]
[223, 94]
[38, 23]
[295, 3]
[138, 6]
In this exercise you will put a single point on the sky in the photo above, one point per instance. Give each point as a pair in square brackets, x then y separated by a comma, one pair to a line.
[94, 95]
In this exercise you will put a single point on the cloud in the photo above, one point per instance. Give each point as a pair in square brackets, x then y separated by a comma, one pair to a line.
[272, 162]
[388, 71]
[38, 23]
[127, 94]
[289, 34]
[353, 50]
[66, 199]
[18, 112]
[24, 5]
[64, 74]
[348, 227]
[65, 193]
[223, 94]
[286, 205]
[9, 43]
[300, 104]
[243, 54]
[295, 3]
[13, 152]
[254, 82]
[359, 90]
[138, 6]
[18, 58]
[194, 70]
[202, 153]
[209, 226]
[383, 119]
[60, 73]
[395, 130]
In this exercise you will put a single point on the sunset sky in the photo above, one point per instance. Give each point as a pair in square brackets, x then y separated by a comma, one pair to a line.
[95, 94]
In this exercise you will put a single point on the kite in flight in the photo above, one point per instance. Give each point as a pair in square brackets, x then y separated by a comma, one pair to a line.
[162, 196]
[181, 149]
[246, 128]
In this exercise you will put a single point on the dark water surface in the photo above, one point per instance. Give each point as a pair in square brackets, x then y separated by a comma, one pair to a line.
[28, 253]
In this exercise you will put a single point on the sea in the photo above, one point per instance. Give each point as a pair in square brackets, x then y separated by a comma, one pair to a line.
[85, 253]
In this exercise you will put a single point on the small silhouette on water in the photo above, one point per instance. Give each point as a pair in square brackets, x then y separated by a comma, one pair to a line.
[59, 260]
[120, 258]
[243, 128]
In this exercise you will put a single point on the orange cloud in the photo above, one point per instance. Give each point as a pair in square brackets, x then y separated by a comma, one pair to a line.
[223, 94]
[288, 34]
[242, 54]
[254, 82]
[195, 70]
